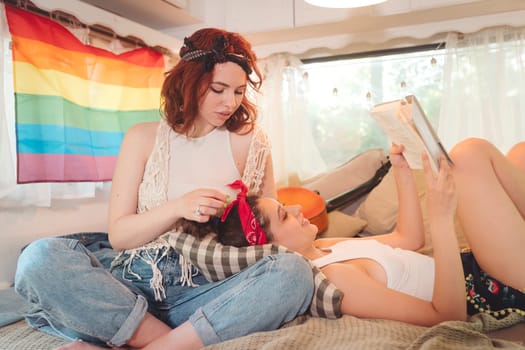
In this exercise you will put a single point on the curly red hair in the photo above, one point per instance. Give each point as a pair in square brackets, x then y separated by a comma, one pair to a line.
[186, 84]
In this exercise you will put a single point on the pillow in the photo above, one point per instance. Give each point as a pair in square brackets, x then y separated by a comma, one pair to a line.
[379, 210]
[342, 225]
[353, 173]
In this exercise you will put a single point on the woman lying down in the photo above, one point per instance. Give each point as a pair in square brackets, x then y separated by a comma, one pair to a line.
[381, 276]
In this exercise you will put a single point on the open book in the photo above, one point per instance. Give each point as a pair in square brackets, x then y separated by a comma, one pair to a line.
[406, 124]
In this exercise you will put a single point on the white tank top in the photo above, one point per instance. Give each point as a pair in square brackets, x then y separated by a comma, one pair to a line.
[188, 172]
[406, 271]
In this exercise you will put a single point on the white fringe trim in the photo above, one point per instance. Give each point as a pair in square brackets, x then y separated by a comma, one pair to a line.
[152, 257]
[187, 272]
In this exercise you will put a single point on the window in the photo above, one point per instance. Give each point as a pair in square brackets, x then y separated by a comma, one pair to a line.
[340, 91]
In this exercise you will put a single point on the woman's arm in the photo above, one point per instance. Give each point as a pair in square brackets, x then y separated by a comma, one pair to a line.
[448, 298]
[409, 232]
[365, 297]
[127, 229]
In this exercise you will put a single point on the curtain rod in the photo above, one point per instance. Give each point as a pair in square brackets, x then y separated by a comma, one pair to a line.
[66, 18]
[375, 53]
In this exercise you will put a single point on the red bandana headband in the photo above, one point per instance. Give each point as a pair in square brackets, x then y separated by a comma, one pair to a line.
[254, 233]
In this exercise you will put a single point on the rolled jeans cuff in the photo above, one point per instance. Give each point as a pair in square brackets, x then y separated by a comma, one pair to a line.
[203, 328]
[131, 323]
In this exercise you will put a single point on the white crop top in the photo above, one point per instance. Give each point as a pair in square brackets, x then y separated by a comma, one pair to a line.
[407, 271]
[188, 172]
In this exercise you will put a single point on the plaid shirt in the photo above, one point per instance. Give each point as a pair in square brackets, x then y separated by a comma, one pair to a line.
[216, 262]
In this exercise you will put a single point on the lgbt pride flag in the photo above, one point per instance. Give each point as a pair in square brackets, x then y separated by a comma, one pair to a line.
[75, 102]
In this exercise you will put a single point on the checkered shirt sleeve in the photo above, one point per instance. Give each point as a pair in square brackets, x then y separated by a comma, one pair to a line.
[216, 262]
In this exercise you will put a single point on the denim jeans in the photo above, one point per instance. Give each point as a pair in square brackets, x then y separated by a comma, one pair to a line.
[76, 297]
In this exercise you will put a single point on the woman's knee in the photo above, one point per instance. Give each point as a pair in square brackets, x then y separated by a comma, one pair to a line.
[517, 155]
[469, 148]
[471, 153]
[518, 149]
[34, 255]
[41, 258]
[295, 278]
[295, 268]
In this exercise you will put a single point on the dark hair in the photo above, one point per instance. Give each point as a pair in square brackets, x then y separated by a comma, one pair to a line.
[186, 83]
[230, 231]
[196, 229]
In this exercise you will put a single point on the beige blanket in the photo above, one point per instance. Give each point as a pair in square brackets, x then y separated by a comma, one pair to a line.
[349, 333]
[346, 333]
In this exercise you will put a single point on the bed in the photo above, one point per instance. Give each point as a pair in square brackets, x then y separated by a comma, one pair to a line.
[368, 214]
[306, 332]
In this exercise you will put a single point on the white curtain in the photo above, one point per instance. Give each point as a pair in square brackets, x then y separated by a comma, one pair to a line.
[7, 120]
[282, 105]
[484, 87]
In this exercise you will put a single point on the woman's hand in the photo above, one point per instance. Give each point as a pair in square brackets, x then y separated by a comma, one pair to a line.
[199, 205]
[396, 156]
[441, 189]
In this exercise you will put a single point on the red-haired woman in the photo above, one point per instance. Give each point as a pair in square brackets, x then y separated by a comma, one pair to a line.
[168, 170]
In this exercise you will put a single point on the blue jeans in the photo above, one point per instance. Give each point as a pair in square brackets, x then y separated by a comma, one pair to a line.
[75, 297]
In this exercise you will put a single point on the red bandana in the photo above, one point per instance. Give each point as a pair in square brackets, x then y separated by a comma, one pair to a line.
[254, 233]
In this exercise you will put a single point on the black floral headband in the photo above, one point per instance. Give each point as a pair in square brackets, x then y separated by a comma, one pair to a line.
[216, 55]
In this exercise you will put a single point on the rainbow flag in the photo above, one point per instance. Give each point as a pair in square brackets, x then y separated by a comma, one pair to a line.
[75, 102]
